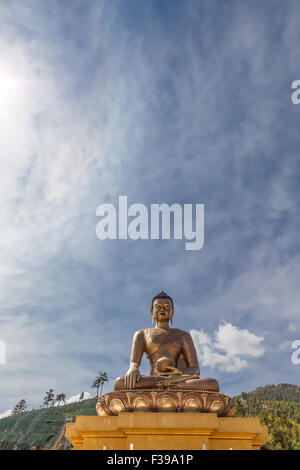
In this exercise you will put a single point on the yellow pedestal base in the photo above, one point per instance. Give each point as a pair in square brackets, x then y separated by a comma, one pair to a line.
[166, 431]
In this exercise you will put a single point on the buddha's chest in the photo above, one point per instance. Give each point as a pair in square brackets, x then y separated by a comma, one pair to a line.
[163, 340]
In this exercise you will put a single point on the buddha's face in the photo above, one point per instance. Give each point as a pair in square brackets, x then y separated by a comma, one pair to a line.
[162, 310]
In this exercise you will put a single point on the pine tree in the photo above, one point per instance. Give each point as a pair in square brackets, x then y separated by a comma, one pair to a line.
[20, 407]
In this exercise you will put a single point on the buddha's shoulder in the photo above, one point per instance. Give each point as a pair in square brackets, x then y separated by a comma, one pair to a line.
[179, 332]
[140, 333]
[146, 332]
[144, 335]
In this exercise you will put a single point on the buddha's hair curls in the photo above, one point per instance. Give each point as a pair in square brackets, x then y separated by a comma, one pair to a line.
[162, 295]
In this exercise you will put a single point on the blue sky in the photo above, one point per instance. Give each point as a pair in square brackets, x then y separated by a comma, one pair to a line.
[165, 102]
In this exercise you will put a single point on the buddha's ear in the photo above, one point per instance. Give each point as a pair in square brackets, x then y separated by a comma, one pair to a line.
[172, 313]
[151, 311]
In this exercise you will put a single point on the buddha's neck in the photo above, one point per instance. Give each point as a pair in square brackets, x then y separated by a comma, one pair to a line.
[164, 325]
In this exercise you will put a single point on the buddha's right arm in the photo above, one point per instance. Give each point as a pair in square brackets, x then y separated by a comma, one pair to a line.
[137, 350]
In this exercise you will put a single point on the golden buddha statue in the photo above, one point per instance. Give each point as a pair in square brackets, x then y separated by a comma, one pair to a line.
[171, 354]
[173, 383]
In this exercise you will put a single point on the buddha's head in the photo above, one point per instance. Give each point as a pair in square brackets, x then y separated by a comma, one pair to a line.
[162, 309]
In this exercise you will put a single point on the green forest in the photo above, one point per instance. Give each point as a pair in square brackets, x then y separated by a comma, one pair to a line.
[278, 407]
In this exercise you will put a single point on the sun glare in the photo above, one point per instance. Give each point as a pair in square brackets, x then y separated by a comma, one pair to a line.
[11, 91]
[8, 81]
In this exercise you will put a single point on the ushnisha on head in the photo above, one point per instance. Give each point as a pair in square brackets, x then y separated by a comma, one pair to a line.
[162, 309]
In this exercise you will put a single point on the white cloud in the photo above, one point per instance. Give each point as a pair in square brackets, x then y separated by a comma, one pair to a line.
[75, 398]
[230, 348]
[5, 414]
[236, 342]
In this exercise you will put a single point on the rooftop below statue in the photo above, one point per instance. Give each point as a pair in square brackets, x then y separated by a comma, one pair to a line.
[170, 352]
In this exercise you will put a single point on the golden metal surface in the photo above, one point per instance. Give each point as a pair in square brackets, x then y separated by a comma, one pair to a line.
[179, 401]
[170, 351]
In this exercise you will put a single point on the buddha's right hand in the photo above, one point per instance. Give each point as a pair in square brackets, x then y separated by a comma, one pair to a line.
[132, 377]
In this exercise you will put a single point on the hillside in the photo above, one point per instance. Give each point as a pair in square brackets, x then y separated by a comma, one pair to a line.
[278, 406]
[44, 428]
[281, 392]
